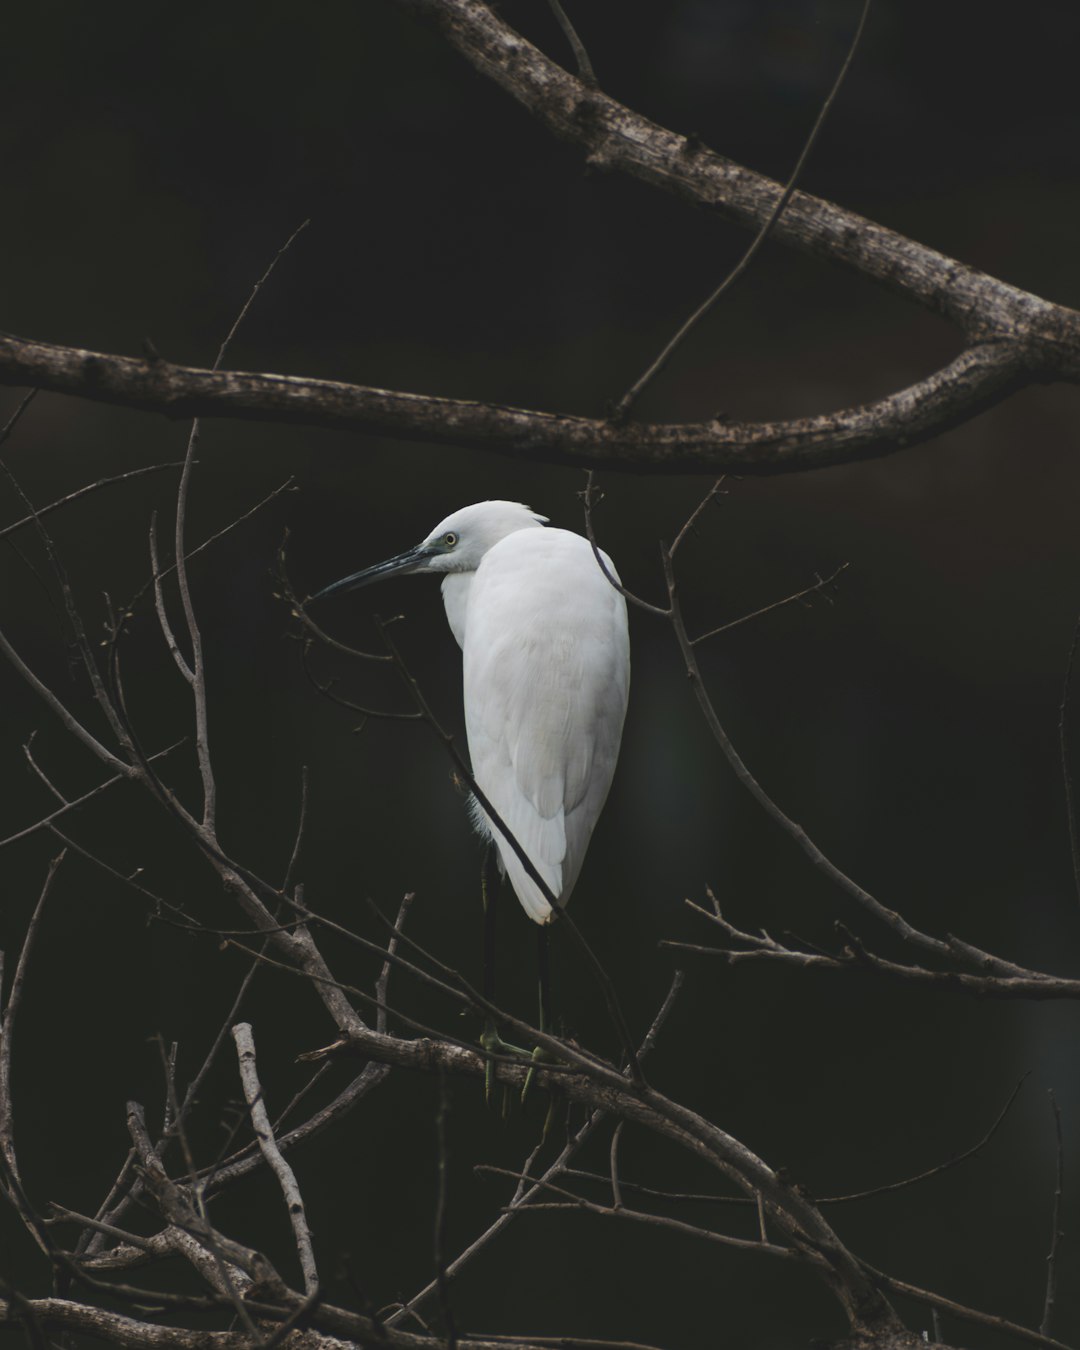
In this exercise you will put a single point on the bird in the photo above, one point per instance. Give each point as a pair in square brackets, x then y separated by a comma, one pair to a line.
[545, 676]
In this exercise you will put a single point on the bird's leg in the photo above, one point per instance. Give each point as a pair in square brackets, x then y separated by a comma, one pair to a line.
[490, 1039]
[543, 965]
[489, 889]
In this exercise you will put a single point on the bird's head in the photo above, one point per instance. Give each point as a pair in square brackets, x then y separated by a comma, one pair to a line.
[456, 544]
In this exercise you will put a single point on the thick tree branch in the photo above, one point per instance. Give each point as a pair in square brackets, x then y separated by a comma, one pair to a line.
[614, 137]
[800, 1220]
[1013, 338]
[982, 375]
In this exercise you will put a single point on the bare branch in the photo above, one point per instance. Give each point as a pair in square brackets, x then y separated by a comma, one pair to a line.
[382, 984]
[84, 492]
[7, 1036]
[624, 405]
[820, 584]
[195, 674]
[855, 957]
[162, 612]
[586, 74]
[128, 1333]
[983, 375]
[1066, 770]
[75, 802]
[967, 1314]
[948, 949]
[697, 1197]
[556, 1169]
[439, 1239]
[1050, 1300]
[800, 1221]
[612, 136]
[298, 842]
[619, 1211]
[245, 1051]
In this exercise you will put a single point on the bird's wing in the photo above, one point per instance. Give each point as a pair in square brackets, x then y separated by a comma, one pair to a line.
[546, 672]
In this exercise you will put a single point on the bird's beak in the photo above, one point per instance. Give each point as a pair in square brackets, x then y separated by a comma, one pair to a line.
[412, 560]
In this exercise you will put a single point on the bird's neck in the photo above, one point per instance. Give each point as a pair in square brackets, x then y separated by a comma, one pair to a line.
[455, 594]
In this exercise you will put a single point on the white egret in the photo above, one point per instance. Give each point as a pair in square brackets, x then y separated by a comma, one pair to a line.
[546, 676]
[546, 673]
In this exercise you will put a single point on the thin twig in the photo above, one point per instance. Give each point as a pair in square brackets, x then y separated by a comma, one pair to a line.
[586, 74]
[572, 1202]
[298, 842]
[7, 1036]
[622, 408]
[198, 666]
[1050, 1300]
[613, 1166]
[439, 1236]
[556, 1169]
[75, 802]
[695, 515]
[162, 611]
[973, 1315]
[84, 492]
[950, 949]
[1066, 770]
[382, 984]
[819, 584]
[196, 672]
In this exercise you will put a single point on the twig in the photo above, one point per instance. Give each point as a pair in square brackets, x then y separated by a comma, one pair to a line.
[326, 688]
[82, 645]
[195, 672]
[84, 492]
[160, 606]
[820, 584]
[973, 1315]
[17, 416]
[695, 515]
[586, 74]
[556, 1169]
[1050, 1300]
[245, 1050]
[197, 666]
[577, 1202]
[232, 1169]
[613, 1165]
[622, 408]
[7, 1036]
[298, 842]
[439, 1238]
[1066, 770]
[1028, 984]
[382, 984]
[75, 802]
[989, 963]
[590, 494]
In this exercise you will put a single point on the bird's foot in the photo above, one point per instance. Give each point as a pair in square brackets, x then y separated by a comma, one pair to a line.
[493, 1044]
[539, 1056]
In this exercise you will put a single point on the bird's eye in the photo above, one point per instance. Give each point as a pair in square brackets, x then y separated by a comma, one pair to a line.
[449, 540]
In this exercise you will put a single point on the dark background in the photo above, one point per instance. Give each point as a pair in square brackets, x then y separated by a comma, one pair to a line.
[154, 160]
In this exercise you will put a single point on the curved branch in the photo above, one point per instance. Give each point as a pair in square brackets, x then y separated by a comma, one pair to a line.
[612, 136]
[979, 377]
[800, 1220]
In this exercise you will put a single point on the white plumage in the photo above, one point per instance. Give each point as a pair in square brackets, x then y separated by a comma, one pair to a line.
[546, 674]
